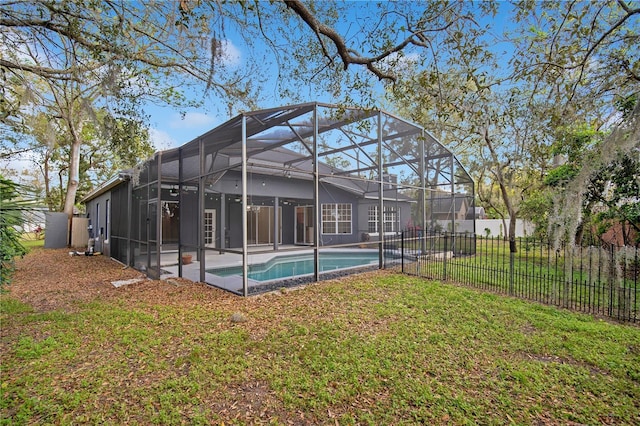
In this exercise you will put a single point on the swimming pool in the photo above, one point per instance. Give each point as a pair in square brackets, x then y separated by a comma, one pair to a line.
[296, 265]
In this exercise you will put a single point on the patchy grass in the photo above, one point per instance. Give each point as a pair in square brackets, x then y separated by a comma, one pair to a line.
[30, 241]
[377, 348]
[32, 244]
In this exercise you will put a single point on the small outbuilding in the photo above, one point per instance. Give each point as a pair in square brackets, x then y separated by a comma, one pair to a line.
[280, 197]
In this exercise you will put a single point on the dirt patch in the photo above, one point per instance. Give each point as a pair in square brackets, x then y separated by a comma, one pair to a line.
[255, 403]
[552, 359]
[528, 329]
[50, 279]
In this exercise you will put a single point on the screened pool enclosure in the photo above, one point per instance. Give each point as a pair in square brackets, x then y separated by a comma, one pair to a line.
[284, 196]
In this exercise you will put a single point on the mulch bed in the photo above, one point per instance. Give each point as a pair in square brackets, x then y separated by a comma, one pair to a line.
[51, 279]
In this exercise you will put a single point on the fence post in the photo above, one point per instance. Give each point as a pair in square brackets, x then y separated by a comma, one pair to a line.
[444, 261]
[511, 271]
[612, 280]
[402, 251]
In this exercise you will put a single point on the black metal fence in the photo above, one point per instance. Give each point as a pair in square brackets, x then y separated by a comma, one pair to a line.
[598, 279]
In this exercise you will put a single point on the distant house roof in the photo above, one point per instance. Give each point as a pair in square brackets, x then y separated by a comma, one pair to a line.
[444, 204]
[480, 213]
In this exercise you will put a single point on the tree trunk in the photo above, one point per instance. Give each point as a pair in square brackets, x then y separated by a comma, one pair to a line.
[47, 182]
[74, 176]
[505, 227]
[503, 190]
[579, 233]
[60, 200]
[512, 233]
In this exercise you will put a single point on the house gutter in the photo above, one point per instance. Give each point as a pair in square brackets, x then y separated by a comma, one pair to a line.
[107, 186]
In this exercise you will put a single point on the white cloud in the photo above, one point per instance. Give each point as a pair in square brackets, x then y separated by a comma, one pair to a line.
[191, 120]
[401, 62]
[231, 54]
[161, 140]
[15, 167]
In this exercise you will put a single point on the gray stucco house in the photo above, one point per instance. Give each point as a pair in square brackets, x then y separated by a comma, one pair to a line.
[291, 193]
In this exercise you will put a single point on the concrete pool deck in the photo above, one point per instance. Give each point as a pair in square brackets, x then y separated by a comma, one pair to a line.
[233, 283]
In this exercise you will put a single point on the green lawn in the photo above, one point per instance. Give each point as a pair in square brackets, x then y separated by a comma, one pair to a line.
[588, 279]
[374, 349]
[30, 240]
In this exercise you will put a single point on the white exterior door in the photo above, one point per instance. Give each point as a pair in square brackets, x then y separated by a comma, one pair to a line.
[210, 227]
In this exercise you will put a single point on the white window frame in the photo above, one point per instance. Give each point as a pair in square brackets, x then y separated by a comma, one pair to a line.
[337, 215]
[391, 216]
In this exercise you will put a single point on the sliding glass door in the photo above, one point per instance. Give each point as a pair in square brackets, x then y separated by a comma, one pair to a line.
[260, 226]
[304, 225]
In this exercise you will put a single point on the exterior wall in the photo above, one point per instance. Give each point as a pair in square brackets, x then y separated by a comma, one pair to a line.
[291, 189]
[229, 231]
[288, 223]
[234, 215]
[615, 235]
[363, 217]
[234, 222]
[120, 223]
[273, 186]
[100, 222]
[300, 190]
[189, 218]
[331, 195]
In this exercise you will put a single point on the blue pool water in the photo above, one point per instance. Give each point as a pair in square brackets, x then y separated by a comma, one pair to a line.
[289, 266]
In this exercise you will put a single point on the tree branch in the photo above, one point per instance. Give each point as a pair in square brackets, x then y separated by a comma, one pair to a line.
[11, 154]
[347, 55]
[61, 74]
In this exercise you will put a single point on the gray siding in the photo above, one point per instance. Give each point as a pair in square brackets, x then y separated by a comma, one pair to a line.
[100, 224]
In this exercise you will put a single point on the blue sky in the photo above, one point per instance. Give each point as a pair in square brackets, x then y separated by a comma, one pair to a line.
[169, 128]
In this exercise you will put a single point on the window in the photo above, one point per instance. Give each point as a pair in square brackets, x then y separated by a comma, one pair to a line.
[373, 219]
[336, 218]
[391, 215]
